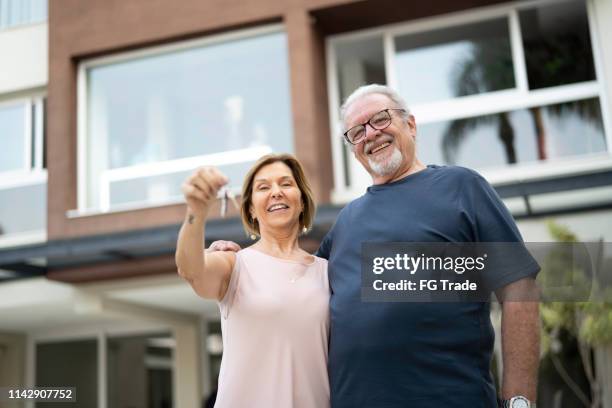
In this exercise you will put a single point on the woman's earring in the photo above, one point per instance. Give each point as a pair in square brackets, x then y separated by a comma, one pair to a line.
[253, 237]
[304, 230]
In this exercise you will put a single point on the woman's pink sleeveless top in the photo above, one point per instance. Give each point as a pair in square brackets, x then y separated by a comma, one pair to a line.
[275, 326]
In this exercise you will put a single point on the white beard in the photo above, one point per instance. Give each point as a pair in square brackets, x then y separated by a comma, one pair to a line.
[388, 166]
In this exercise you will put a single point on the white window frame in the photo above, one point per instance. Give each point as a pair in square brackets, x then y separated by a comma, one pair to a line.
[32, 172]
[519, 97]
[161, 167]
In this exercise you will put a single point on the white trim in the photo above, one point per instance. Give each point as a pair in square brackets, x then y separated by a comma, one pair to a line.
[188, 163]
[389, 58]
[333, 98]
[518, 52]
[27, 130]
[146, 170]
[13, 179]
[39, 129]
[181, 46]
[502, 101]
[525, 172]
[549, 169]
[600, 73]
[82, 137]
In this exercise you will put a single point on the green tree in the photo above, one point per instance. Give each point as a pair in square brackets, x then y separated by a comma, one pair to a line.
[589, 322]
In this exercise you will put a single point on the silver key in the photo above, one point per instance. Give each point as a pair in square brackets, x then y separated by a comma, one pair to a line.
[224, 196]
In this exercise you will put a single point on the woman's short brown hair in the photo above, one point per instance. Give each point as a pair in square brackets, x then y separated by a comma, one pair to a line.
[251, 226]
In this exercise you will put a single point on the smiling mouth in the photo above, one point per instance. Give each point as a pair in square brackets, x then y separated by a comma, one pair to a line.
[277, 207]
[379, 148]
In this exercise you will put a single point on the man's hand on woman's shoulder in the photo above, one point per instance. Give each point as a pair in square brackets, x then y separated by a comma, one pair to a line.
[223, 246]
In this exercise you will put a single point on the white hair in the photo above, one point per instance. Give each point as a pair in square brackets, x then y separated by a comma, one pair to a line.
[371, 89]
[374, 89]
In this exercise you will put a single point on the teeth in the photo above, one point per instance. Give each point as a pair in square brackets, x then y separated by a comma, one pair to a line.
[277, 207]
[382, 146]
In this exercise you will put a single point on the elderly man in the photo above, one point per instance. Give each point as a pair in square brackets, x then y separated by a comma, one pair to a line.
[423, 355]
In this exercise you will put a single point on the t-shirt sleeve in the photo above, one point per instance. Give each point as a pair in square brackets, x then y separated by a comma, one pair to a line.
[325, 248]
[227, 301]
[493, 223]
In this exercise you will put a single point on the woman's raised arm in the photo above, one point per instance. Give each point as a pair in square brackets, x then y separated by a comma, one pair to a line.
[207, 273]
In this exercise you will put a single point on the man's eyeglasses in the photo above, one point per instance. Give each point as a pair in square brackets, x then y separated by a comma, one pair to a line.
[378, 121]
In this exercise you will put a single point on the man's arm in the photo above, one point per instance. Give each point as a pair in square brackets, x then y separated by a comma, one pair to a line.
[520, 337]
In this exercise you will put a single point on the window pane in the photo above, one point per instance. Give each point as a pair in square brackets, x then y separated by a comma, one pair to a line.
[557, 44]
[359, 62]
[217, 98]
[140, 371]
[458, 61]
[159, 188]
[521, 136]
[12, 137]
[16, 12]
[29, 215]
[69, 364]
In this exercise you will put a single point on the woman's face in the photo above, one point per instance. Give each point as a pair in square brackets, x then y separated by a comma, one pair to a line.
[276, 200]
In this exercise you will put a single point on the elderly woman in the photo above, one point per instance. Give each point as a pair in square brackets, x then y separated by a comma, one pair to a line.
[273, 296]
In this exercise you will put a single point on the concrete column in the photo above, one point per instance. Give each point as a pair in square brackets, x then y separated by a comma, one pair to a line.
[187, 384]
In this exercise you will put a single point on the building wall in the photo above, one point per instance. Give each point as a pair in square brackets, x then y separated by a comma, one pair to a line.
[24, 58]
[79, 31]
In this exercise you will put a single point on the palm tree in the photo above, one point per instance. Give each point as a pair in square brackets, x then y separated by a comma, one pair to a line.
[487, 68]
[550, 62]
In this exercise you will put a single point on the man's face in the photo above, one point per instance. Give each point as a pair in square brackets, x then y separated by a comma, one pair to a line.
[387, 153]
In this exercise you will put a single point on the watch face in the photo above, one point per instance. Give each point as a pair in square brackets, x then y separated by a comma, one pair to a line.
[519, 402]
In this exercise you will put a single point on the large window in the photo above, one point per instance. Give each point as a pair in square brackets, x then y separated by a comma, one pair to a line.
[148, 118]
[504, 88]
[23, 188]
[18, 12]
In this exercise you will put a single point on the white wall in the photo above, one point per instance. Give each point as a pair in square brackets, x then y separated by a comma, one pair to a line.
[23, 57]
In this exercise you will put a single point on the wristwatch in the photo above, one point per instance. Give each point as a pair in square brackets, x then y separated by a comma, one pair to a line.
[517, 402]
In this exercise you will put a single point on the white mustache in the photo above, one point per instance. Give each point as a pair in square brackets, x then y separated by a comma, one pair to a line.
[378, 141]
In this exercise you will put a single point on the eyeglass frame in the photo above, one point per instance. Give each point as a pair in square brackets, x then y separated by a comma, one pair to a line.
[345, 134]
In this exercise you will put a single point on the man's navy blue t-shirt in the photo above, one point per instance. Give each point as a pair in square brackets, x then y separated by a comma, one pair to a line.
[420, 355]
